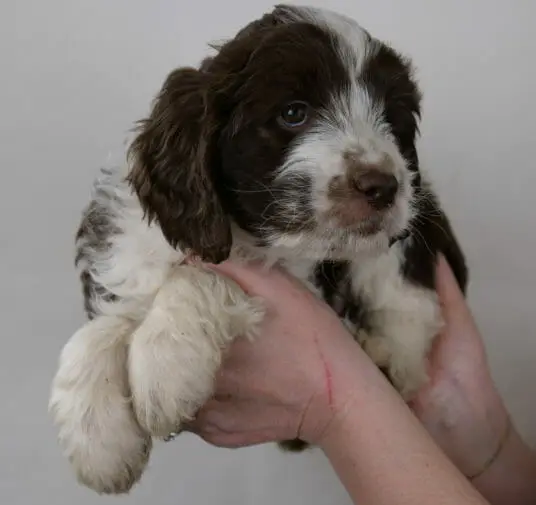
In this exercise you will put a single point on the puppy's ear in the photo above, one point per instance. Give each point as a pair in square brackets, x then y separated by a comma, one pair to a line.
[172, 168]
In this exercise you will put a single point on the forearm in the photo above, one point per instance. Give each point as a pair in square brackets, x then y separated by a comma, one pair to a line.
[383, 456]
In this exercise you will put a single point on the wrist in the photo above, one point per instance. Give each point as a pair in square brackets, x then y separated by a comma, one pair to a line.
[372, 437]
[510, 477]
[467, 419]
[346, 371]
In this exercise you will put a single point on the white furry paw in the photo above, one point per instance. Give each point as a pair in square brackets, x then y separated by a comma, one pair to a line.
[402, 319]
[90, 404]
[399, 345]
[406, 372]
[177, 350]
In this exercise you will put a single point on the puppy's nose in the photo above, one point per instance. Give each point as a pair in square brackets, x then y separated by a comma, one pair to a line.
[378, 188]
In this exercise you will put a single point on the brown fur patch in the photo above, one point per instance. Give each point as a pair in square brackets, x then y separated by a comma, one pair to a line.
[172, 170]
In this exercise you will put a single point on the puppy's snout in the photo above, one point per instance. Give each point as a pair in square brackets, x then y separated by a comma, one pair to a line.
[378, 188]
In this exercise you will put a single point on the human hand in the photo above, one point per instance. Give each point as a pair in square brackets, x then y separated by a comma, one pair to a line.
[288, 383]
[298, 397]
[460, 406]
[304, 377]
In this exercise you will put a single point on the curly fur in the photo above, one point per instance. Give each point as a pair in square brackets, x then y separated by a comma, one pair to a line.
[215, 172]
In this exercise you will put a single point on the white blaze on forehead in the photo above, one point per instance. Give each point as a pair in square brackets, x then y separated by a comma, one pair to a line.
[352, 40]
[358, 124]
[354, 113]
[352, 123]
[352, 120]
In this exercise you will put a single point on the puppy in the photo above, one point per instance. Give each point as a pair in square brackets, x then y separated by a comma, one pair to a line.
[293, 144]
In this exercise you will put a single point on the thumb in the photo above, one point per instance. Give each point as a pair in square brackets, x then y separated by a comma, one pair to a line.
[248, 275]
[451, 297]
[258, 279]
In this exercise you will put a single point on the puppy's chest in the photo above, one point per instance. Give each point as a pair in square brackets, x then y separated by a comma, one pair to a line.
[334, 282]
[339, 283]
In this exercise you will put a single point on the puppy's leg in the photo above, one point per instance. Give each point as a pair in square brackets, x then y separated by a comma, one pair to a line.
[91, 406]
[402, 321]
[177, 350]
[405, 314]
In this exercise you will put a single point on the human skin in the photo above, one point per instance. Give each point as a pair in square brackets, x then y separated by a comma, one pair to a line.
[305, 377]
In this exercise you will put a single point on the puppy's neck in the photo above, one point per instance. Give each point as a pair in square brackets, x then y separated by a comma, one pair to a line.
[297, 260]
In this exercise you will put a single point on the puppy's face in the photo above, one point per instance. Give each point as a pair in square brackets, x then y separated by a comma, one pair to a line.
[304, 137]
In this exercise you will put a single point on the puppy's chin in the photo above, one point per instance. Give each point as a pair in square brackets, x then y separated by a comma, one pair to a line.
[376, 231]
[372, 237]
[330, 238]
[328, 244]
[396, 226]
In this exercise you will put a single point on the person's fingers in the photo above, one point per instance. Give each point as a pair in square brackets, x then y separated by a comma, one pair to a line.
[452, 300]
[230, 383]
[447, 287]
[214, 417]
[230, 416]
[248, 276]
[258, 279]
[236, 440]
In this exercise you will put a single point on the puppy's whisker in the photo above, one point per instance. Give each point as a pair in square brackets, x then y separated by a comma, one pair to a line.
[427, 218]
[415, 230]
[255, 191]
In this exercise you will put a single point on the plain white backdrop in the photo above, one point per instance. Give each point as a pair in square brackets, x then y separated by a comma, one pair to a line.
[75, 75]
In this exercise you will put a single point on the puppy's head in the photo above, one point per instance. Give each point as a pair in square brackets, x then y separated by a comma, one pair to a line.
[301, 131]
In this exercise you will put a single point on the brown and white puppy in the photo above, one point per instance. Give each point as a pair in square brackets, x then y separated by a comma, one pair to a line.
[295, 144]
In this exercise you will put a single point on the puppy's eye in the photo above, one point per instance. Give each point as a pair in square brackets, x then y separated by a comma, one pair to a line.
[294, 114]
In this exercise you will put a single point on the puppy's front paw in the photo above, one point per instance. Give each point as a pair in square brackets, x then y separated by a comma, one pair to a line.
[399, 345]
[405, 370]
[89, 402]
[177, 350]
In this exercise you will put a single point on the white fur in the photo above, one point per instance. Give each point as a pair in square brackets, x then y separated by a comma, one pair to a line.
[139, 258]
[177, 349]
[90, 403]
[170, 326]
[405, 319]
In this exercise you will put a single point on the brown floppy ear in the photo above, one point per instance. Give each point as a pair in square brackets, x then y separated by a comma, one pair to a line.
[172, 165]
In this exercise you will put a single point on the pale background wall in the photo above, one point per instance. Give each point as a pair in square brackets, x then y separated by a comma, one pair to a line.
[74, 75]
